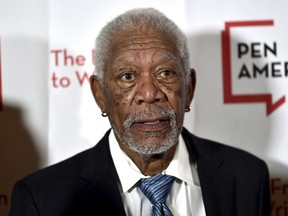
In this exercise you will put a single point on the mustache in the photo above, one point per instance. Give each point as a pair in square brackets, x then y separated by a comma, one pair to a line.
[162, 113]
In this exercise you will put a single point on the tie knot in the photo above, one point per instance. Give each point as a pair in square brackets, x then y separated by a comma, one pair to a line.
[157, 187]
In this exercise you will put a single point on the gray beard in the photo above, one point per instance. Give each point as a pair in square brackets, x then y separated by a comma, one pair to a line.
[150, 146]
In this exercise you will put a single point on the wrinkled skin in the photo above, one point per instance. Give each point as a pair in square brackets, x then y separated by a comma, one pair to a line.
[145, 93]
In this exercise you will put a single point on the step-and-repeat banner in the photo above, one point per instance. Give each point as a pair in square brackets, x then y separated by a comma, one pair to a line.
[47, 113]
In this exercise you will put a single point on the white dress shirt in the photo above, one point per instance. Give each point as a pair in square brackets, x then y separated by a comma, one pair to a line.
[185, 197]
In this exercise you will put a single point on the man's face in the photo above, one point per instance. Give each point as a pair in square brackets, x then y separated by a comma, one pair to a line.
[145, 91]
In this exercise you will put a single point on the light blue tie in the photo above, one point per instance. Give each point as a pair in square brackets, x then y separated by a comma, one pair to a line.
[156, 189]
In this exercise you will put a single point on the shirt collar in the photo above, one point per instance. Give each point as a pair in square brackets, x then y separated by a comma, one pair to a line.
[129, 174]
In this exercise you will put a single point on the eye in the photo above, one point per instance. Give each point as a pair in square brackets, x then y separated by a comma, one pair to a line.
[127, 76]
[166, 73]
[168, 76]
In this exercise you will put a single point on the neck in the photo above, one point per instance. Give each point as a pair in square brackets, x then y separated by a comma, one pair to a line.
[152, 164]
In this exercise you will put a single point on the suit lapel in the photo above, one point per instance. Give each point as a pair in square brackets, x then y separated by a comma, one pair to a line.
[217, 188]
[101, 193]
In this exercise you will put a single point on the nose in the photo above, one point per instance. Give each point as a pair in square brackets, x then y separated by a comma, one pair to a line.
[149, 90]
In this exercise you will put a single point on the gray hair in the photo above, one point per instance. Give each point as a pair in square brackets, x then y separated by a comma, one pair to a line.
[145, 18]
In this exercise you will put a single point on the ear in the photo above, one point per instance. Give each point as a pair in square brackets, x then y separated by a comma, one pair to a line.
[191, 87]
[97, 91]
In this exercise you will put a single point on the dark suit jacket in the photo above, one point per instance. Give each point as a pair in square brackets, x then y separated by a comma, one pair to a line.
[233, 183]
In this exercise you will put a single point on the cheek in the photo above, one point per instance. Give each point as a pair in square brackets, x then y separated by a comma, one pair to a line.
[174, 93]
[117, 99]
[176, 99]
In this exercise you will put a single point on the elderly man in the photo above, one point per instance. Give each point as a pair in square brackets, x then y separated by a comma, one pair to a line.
[147, 163]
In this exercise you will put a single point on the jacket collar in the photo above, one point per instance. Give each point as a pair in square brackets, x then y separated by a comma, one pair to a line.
[101, 182]
[217, 187]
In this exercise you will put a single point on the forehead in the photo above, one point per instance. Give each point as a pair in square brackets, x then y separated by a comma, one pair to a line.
[132, 57]
[125, 46]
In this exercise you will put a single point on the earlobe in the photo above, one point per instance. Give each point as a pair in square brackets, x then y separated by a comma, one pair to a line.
[191, 86]
[97, 91]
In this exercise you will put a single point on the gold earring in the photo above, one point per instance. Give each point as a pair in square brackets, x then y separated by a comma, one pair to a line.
[188, 109]
[104, 114]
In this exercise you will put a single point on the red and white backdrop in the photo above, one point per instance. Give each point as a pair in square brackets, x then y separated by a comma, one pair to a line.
[47, 112]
